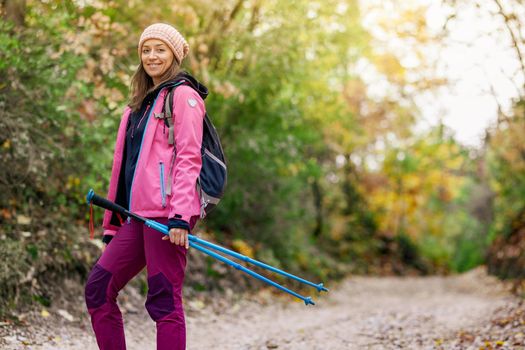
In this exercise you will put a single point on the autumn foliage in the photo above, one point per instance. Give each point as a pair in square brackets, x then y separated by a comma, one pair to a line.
[326, 176]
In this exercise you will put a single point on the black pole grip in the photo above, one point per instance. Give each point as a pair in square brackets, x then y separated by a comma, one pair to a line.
[106, 204]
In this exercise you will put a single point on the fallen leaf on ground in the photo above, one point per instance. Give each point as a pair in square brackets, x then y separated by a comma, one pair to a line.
[66, 315]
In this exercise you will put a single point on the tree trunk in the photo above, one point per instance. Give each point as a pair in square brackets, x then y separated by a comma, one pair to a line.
[318, 203]
[15, 11]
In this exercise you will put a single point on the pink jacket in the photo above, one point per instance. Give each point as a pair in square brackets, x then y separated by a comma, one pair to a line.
[149, 196]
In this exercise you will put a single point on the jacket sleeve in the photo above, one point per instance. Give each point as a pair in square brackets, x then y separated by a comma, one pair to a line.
[109, 232]
[188, 110]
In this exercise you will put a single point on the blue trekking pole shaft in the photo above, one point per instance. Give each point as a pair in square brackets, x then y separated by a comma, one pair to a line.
[164, 229]
[307, 300]
[319, 287]
[97, 200]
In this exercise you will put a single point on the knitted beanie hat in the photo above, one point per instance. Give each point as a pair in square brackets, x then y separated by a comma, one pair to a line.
[170, 36]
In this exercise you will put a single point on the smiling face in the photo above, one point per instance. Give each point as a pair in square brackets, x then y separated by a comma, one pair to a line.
[156, 58]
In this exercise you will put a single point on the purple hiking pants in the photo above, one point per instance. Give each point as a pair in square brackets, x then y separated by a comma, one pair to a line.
[133, 247]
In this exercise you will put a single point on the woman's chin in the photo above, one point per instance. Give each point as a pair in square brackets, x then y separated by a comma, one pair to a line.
[154, 73]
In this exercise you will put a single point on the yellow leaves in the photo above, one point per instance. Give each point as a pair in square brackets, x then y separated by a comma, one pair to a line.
[302, 259]
[419, 187]
[389, 65]
[290, 169]
[243, 248]
[490, 346]
[412, 182]
[405, 19]
[415, 25]
[339, 227]
[44, 313]
[72, 181]
[7, 144]
[294, 168]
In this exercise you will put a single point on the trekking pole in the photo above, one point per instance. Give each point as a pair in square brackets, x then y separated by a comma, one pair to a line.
[320, 287]
[195, 242]
[307, 300]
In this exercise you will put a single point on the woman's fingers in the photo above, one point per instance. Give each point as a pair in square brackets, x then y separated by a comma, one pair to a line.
[179, 237]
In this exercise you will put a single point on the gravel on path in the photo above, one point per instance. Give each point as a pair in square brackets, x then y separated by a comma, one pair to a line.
[454, 312]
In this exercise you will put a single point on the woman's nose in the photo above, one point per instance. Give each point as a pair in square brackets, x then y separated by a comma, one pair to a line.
[152, 54]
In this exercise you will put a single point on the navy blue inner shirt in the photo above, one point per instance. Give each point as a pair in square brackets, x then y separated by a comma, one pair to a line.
[134, 133]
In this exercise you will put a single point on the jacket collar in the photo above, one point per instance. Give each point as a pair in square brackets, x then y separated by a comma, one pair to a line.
[196, 85]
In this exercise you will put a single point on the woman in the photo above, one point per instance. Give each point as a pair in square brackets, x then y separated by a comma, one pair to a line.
[153, 180]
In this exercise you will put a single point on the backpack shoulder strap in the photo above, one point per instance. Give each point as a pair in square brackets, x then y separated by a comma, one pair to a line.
[168, 103]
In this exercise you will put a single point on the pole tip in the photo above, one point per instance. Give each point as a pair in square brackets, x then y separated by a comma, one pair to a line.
[308, 300]
[90, 195]
[322, 288]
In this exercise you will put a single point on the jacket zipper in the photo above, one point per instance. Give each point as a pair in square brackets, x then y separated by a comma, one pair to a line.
[149, 110]
[140, 121]
[162, 189]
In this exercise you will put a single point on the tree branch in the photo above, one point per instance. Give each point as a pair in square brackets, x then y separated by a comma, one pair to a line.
[507, 19]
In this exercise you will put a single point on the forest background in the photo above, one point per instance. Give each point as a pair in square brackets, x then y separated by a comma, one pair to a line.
[326, 178]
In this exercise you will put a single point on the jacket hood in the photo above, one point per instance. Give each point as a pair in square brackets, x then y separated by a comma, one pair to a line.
[194, 83]
[190, 80]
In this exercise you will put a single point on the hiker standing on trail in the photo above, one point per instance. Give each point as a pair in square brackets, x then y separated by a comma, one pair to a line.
[153, 180]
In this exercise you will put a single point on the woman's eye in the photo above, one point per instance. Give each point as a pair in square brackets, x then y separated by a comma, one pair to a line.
[145, 51]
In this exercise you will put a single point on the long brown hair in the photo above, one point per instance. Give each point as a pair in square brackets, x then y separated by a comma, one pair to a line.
[142, 83]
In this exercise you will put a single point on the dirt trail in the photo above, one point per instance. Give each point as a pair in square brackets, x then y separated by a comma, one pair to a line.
[359, 313]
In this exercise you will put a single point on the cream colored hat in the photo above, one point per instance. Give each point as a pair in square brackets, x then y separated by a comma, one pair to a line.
[170, 36]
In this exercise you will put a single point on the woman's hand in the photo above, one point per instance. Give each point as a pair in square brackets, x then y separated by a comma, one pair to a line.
[178, 236]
